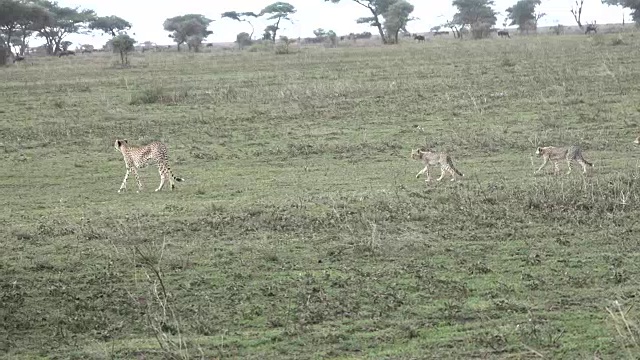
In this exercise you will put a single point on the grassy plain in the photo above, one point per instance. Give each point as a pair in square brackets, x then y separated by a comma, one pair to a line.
[301, 231]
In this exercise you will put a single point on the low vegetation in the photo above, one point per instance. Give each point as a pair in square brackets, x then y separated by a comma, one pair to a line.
[301, 230]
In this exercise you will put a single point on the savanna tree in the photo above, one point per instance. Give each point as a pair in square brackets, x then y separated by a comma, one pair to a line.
[319, 33]
[61, 22]
[110, 25]
[277, 11]
[523, 14]
[477, 14]
[242, 17]
[190, 29]
[396, 18]
[123, 44]
[634, 5]
[377, 8]
[576, 11]
[333, 37]
[17, 22]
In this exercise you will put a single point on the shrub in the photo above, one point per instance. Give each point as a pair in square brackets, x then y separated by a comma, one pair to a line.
[480, 30]
[124, 45]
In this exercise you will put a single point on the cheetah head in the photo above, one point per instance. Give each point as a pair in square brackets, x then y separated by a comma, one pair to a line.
[415, 154]
[119, 143]
[539, 151]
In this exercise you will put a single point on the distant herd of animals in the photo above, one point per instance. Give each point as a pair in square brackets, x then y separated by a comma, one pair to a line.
[589, 28]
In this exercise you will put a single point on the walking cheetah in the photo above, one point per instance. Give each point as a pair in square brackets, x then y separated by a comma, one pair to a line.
[139, 157]
[555, 154]
[435, 158]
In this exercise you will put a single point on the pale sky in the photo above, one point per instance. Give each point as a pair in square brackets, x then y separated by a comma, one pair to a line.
[147, 16]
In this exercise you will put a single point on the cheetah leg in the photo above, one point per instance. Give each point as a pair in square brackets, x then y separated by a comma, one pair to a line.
[442, 172]
[135, 172]
[544, 163]
[426, 169]
[171, 182]
[453, 174]
[556, 168]
[584, 166]
[428, 175]
[569, 166]
[124, 182]
[162, 178]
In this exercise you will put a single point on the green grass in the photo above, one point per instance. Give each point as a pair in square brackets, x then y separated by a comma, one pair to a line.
[301, 230]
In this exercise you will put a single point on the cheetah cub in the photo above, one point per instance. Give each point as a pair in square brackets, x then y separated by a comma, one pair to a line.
[139, 157]
[555, 154]
[435, 158]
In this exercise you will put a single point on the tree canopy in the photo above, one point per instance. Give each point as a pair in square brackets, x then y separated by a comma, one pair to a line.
[277, 11]
[110, 25]
[242, 17]
[472, 13]
[396, 18]
[189, 28]
[377, 8]
[18, 20]
[523, 13]
[61, 22]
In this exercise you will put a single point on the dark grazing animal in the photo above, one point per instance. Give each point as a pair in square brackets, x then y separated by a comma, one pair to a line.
[590, 28]
[420, 38]
[66, 53]
[18, 58]
[503, 33]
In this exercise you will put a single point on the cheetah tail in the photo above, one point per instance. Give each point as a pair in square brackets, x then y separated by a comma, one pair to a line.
[588, 163]
[178, 179]
[454, 168]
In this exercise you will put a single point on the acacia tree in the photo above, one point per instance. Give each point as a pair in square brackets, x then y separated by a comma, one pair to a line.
[61, 22]
[33, 14]
[241, 16]
[523, 14]
[17, 19]
[634, 5]
[110, 25]
[190, 29]
[10, 14]
[576, 11]
[475, 14]
[377, 9]
[123, 44]
[278, 11]
[396, 18]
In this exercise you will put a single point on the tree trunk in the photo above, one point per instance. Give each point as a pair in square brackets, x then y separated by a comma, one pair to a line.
[275, 30]
[8, 34]
[252, 29]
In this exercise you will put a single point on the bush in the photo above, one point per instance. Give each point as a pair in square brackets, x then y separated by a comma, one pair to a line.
[558, 29]
[124, 45]
[480, 30]
[147, 96]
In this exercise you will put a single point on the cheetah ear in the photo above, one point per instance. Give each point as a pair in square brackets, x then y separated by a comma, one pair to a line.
[125, 141]
[118, 143]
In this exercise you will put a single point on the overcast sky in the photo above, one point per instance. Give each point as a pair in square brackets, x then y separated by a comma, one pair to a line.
[147, 16]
